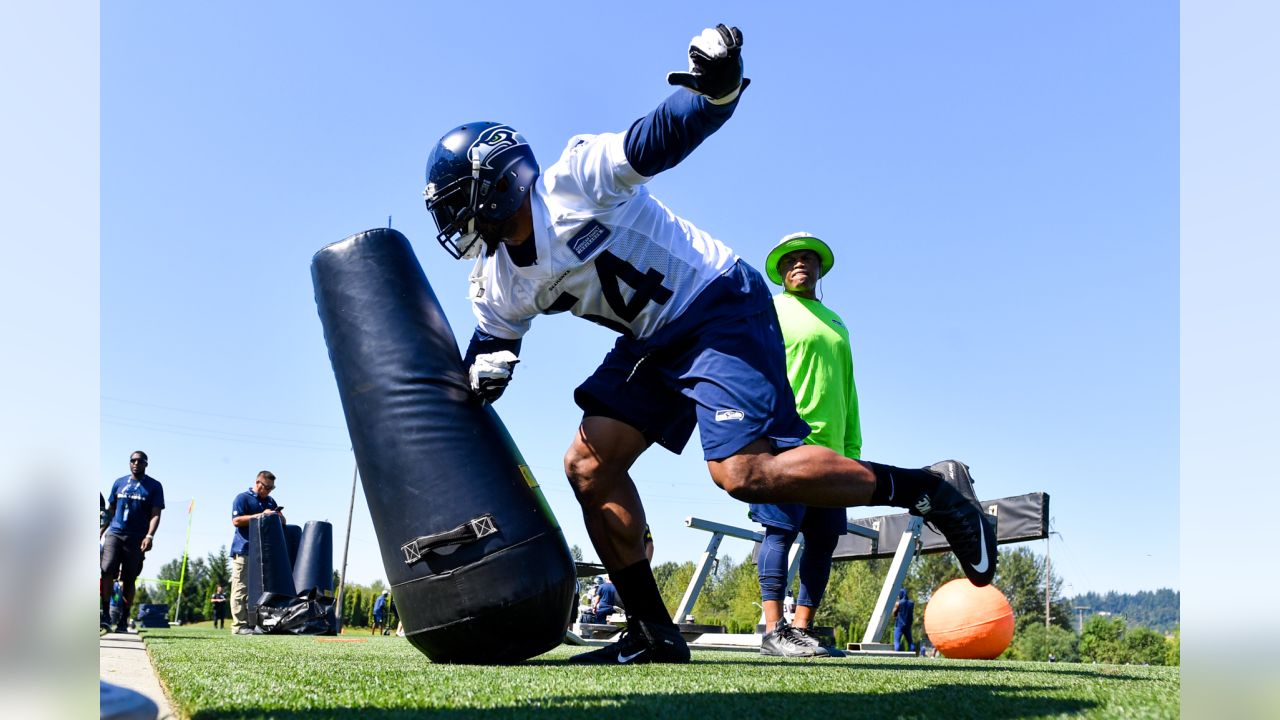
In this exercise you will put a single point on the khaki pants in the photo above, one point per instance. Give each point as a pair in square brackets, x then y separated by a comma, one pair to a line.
[239, 593]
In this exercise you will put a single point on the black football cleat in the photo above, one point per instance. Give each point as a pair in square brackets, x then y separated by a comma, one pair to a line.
[642, 642]
[953, 510]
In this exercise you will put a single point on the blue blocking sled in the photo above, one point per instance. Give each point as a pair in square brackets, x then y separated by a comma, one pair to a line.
[313, 563]
[268, 567]
[477, 563]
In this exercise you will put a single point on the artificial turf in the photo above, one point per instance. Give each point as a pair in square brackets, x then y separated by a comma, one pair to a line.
[212, 674]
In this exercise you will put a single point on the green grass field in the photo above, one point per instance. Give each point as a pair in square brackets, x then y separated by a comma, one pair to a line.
[212, 674]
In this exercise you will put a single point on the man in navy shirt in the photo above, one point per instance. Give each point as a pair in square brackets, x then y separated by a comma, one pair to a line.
[254, 502]
[134, 508]
[903, 616]
[380, 614]
[606, 601]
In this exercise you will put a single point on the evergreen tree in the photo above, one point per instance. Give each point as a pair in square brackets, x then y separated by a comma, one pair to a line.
[673, 580]
[219, 574]
[193, 589]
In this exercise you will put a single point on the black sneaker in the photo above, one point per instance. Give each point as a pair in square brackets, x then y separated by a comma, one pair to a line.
[641, 642]
[816, 641]
[953, 511]
[122, 628]
[785, 641]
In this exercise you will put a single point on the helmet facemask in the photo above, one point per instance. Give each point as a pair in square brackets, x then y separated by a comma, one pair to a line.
[454, 210]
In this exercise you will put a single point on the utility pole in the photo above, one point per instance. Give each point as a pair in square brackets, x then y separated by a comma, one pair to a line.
[1080, 615]
[1048, 579]
[1048, 574]
[346, 545]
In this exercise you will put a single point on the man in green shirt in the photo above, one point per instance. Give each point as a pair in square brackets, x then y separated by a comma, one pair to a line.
[820, 371]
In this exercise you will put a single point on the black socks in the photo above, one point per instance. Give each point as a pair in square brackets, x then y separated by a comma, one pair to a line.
[639, 591]
[900, 487]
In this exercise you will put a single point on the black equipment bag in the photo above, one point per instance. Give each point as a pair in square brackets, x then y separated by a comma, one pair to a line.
[307, 614]
[478, 565]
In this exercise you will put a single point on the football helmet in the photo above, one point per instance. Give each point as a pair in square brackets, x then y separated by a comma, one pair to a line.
[478, 171]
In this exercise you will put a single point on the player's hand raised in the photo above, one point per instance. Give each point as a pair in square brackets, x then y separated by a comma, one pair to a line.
[491, 373]
[715, 65]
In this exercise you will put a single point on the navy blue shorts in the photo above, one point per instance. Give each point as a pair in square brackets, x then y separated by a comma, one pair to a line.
[720, 366]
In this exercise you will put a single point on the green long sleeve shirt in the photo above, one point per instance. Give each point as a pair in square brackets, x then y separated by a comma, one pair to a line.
[820, 369]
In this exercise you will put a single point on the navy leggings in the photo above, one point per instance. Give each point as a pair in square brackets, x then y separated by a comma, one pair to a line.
[815, 565]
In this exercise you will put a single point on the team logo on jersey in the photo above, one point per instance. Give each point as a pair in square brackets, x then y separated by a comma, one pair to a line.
[492, 141]
[723, 415]
[588, 239]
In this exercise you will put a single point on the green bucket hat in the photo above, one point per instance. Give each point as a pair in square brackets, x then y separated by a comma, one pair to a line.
[798, 241]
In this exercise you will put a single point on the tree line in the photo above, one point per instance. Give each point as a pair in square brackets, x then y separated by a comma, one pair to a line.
[1157, 609]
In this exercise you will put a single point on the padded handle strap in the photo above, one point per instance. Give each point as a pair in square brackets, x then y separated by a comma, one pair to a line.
[469, 531]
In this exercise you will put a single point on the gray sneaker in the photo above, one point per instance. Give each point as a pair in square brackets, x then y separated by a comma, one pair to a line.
[243, 630]
[785, 641]
[816, 641]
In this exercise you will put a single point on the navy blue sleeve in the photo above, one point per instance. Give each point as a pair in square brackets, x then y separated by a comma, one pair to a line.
[660, 140]
[239, 506]
[483, 342]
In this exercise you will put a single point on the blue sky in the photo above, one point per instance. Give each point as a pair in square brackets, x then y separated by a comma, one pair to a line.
[999, 184]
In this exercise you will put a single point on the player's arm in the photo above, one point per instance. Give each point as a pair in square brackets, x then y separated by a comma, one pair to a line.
[710, 91]
[111, 512]
[240, 516]
[490, 361]
[154, 524]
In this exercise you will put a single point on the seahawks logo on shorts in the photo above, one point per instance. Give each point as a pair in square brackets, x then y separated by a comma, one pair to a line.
[723, 415]
[492, 141]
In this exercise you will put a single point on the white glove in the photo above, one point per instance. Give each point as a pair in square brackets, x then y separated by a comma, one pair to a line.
[491, 373]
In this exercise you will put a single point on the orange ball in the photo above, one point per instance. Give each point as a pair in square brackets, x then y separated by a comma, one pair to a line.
[967, 621]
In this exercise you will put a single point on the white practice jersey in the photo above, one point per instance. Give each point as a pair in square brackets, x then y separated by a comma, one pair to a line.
[607, 250]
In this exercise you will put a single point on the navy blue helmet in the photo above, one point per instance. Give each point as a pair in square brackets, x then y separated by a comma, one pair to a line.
[478, 171]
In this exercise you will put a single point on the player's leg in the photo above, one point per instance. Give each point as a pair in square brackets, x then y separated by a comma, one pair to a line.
[239, 595]
[942, 493]
[820, 538]
[129, 572]
[626, 408]
[815, 572]
[780, 638]
[111, 559]
[771, 569]
[597, 465]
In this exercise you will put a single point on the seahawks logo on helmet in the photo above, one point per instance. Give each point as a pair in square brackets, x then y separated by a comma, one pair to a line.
[492, 141]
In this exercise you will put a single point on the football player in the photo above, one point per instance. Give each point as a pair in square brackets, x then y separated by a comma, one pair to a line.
[699, 340]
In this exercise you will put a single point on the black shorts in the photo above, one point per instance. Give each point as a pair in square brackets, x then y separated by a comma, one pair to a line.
[121, 555]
